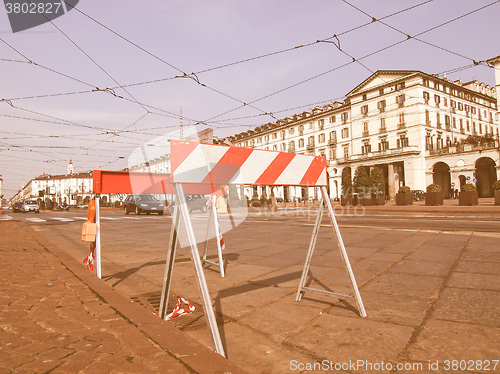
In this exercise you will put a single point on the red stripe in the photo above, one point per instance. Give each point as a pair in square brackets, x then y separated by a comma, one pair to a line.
[228, 165]
[179, 151]
[275, 169]
[314, 171]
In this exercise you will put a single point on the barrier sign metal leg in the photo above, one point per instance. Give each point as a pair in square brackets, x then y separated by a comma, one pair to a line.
[218, 237]
[98, 238]
[200, 276]
[169, 266]
[325, 200]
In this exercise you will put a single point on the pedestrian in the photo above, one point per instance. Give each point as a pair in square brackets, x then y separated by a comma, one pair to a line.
[456, 193]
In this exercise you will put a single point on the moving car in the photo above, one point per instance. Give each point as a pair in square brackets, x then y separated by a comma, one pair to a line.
[194, 202]
[30, 206]
[143, 204]
[17, 207]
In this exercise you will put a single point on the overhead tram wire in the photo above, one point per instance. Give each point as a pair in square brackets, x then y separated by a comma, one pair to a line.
[374, 19]
[361, 58]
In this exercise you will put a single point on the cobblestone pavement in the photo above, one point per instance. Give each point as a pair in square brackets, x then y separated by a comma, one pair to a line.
[51, 321]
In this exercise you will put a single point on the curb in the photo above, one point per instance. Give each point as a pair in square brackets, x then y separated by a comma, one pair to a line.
[194, 355]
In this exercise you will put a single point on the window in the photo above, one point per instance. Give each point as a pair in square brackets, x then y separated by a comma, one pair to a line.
[381, 91]
[344, 117]
[310, 142]
[291, 146]
[275, 135]
[364, 97]
[454, 121]
[283, 147]
[333, 119]
[460, 106]
[381, 105]
[445, 101]
[468, 126]
[437, 99]
[333, 136]
[461, 124]
[259, 139]
[400, 100]
[401, 118]
[365, 126]
[283, 135]
[428, 142]
[400, 86]
[321, 138]
[447, 121]
[366, 148]
[438, 119]
[426, 97]
[291, 130]
[301, 143]
[321, 124]
[266, 138]
[383, 145]
[275, 147]
[345, 132]
[311, 125]
[382, 124]
[427, 118]
[346, 151]
[301, 129]
[480, 128]
[403, 141]
[453, 104]
[333, 154]
[364, 110]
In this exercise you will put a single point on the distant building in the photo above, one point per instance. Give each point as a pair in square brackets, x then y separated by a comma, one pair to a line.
[415, 127]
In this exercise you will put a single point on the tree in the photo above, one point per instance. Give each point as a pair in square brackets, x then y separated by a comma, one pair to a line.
[346, 181]
[361, 181]
[377, 181]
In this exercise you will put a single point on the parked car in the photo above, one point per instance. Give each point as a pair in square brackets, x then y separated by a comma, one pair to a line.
[31, 206]
[17, 207]
[195, 202]
[418, 195]
[143, 204]
[63, 206]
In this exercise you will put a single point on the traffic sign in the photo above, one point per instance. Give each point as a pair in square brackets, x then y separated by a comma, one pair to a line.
[453, 184]
[474, 180]
[468, 178]
[121, 198]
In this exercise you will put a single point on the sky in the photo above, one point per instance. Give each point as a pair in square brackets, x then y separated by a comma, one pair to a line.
[109, 76]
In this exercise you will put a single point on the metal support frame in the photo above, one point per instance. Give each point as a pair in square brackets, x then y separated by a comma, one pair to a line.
[181, 210]
[98, 238]
[169, 265]
[212, 216]
[325, 201]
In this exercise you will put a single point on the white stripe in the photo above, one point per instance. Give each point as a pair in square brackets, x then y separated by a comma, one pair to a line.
[198, 163]
[6, 218]
[295, 170]
[254, 166]
[63, 219]
[82, 218]
[322, 178]
[36, 220]
[108, 218]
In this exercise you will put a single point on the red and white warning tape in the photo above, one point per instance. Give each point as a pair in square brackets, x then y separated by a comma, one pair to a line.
[89, 260]
[178, 311]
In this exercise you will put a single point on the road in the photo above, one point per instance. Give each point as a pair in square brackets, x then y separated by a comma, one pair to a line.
[429, 282]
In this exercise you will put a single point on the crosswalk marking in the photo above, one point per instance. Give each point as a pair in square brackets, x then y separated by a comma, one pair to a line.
[6, 218]
[63, 219]
[36, 220]
[82, 218]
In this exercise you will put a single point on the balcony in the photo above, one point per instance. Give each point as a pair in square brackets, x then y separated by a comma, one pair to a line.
[386, 153]
[365, 133]
[401, 125]
[462, 148]
[383, 130]
[428, 123]
[332, 142]
[310, 146]
[439, 126]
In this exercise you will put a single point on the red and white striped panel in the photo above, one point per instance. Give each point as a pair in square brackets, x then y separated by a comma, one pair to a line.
[218, 164]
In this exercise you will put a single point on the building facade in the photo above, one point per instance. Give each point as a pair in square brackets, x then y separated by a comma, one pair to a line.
[416, 128]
